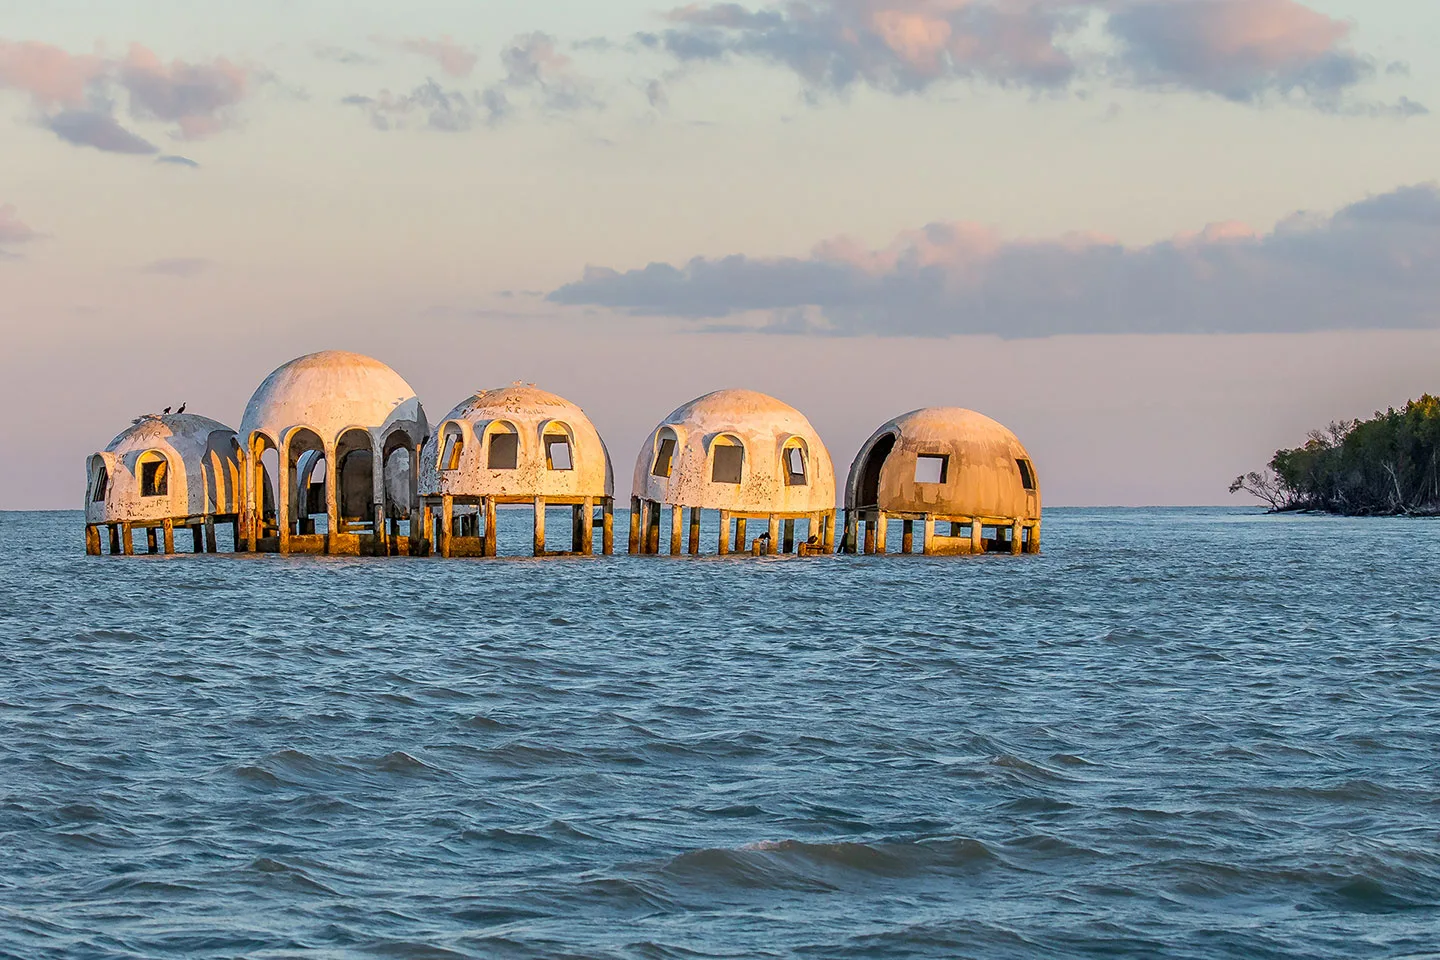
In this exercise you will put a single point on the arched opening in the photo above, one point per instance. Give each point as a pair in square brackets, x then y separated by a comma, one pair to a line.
[398, 473]
[665, 444]
[869, 492]
[795, 463]
[355, 474]
[559, 445]
[154, 473]
[452, 446]
[727, 456]
[502, 446]
[269, 477]
[306, 473]
[100, 483]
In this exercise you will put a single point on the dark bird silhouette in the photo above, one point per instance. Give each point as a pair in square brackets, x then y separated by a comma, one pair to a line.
[165, 411]
[183, 406]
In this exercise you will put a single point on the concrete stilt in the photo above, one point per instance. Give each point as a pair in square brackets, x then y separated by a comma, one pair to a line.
[587, 530]
[695, 514]
[789, 545]
[492, 532]
[539, 526]
[907, 536]
[677, 529]
[724, 545]
[634, 525]
[607, 537]
[445, 522]
[115, 547]
[882, 526]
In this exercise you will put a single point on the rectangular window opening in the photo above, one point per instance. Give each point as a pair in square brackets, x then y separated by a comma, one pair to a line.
[557, 452]
[794, 467]
[728, 461]
[1027, 473]
[454, 446]
[504, 451]
[102, 483]
[664, 458]
[154, 478]
[932, 468]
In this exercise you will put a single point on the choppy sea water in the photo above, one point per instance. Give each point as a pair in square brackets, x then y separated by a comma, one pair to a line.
[1178, 733]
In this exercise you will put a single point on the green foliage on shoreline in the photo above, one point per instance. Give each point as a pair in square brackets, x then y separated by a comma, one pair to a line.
[1387, 465]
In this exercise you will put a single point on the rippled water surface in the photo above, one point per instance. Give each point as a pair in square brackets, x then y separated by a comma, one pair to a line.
[1175, 734]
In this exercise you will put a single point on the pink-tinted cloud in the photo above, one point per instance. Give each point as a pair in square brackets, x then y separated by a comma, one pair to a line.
[1372, 265]
[75, 96]
[13, 230]
[1244, 50]
[454, 60]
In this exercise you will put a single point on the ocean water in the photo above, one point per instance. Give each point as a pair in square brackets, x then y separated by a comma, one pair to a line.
[1177, 733]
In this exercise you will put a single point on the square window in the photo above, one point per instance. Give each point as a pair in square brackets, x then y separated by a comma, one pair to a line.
[504, 451]
[931, 468]
[154, 478]
[728, 461]
[557, 452]
[664, 458]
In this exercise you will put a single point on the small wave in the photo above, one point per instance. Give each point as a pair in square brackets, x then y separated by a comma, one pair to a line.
[399, 761]
[801, 865]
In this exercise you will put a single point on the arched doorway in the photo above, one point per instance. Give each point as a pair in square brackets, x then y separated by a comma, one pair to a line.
[869, 493]
[355, 494]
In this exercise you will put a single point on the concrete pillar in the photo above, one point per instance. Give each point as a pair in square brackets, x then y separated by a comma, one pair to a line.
[977, 536]
[255, 504]
[724, 532]
[774, 531]
[127, 534]
[539, 526]
[830, 519]
[492, 529]
[927, 545]
[1034, 543]
[445, 523]
[652, 528]
[115, 547]
[695, 514]
[882, 526]
[634, 525]
[869, 534]
[197, 537]
[907, 536]
[587, 533]
[210, 544]
[285, 494]
[742, 541]
[332, 498]
[789, 545]
[575, 535]
[1015, 543]
[677, 528]
[607, 541]
[92, 540]
[851, 541]
[151, 544]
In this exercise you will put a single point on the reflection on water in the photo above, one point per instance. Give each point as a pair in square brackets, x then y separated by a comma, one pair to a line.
[1177, 733]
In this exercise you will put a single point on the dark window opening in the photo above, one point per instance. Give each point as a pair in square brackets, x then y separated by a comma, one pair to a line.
[504, 451]
[315, 501]
[932, 468]
[1027, 474]
[794, 467]
[154, 478]
[870, 476]
[557, 452]
[454, 446]
[728, 461]
[664, 458]
[102, 485]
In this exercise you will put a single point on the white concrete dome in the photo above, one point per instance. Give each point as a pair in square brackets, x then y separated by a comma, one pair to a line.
[165, 466]
[517, 441]
[732, 450]
[329, 393]
[945, 461]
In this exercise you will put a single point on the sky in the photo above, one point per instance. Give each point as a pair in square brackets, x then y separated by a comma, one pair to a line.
[1158, 239]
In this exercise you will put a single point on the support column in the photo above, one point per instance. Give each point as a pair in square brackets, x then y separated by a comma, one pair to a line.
[211, 546]
[255, 503]
[491, 545]
[789, 544]
[882, 527]
[927, 545]
[115, 547]
[851, 541]
[652, 529]
[427, 528]
[695, 514]
[829, 538]
[332, 497]
[151, 542]
[907, 536]
[677, 529]
[127, 533]
[92, 540]
[634, 525]
[773, 544]
[607, 535]
[445, 523]
[284, 494]
[1035, 538]
[539, 526]
[197, 537]
[575, 534]
[742, 541]
[1015, 545]
[587, 530]
[869, 534]
[977, 535]
[724, 545]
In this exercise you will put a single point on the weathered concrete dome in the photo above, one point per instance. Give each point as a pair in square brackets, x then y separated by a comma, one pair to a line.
[165, 466]
[732, 450]
[517, 441]
[330, 392]
[945, 461]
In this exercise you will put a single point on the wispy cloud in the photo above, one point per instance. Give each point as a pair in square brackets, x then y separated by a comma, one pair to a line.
[13, 230]
[177, 161]
[1243, 50]
[180, 267]
[1372, 265]
[453, 59]
[76, 96]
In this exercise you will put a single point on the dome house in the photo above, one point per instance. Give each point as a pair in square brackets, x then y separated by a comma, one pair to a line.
[514, 445]
[342, 433]
[166, 471]
[744, 454]
[967, 480]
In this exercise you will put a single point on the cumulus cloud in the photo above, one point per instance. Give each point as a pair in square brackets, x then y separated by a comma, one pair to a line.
[535, 75]
[1242, 50]
[1372, 265]
[13, 230]
[76, 95]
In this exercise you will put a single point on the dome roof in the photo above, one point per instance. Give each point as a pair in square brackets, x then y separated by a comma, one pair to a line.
[763, 426]
[181, 432]
[330, 392]
[533, 466]
[982, 469]
[201, 470]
